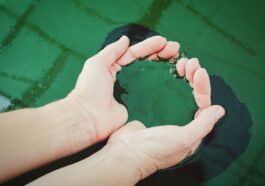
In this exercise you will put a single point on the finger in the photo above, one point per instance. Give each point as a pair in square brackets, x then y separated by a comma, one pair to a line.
[190, 67]
[145, 48]
[153, 57]
[175, 136]
[203, 124]
[202, 88]
[180, 66]
[115, 67]
[198, 112]
[112, 52]
[170, 50]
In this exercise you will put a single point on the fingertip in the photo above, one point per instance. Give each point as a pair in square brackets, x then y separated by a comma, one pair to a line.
[162, 40]
[191, 66]
[204, 122]
[124, 38]
[143, 49]
[215, 112]
[155, 43]
[125, 41]
[180, 66]
[112, 52]
[219, 111]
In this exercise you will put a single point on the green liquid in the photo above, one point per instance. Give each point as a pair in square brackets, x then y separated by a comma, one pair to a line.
[154, 95]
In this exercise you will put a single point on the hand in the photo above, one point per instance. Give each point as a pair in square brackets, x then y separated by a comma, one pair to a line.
[134, 152]
[164, 146]
[93, 93]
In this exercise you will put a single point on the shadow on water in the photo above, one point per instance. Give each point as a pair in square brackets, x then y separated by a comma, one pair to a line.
[225, 143]
[220, 148]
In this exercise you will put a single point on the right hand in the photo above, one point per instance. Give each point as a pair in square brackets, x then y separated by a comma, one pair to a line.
[161, 147]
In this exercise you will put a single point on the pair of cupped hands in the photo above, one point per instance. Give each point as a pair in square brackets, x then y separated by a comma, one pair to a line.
[149, 149]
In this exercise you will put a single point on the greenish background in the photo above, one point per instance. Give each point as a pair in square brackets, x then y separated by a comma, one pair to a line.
[44, 44]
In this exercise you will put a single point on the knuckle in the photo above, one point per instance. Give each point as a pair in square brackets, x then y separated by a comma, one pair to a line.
[133, 53]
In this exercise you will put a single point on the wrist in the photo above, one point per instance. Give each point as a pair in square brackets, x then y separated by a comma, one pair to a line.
[136, 157]
[113, 165]
[109, 166]
[94, 115]
[68, 130]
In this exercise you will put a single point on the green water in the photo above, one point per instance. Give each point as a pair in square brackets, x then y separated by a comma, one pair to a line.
[154, 94]
[44, 45]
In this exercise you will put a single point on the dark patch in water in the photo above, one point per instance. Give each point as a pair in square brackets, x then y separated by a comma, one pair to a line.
[135, 32]
[221, 147]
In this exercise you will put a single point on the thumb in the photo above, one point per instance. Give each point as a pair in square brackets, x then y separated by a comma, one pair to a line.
[112, 52]
[203, 123]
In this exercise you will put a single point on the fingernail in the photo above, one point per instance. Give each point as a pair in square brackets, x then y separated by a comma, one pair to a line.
[220, 112]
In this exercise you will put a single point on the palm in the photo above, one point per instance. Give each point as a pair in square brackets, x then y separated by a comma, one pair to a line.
[99, 85]
[95, 88]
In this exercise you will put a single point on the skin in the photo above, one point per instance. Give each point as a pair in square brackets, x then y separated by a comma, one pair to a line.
[190, 68]
[86, 116]
[170, 50]
[90, 114]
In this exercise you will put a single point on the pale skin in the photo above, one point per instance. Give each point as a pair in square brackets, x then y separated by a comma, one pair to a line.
[30, 138]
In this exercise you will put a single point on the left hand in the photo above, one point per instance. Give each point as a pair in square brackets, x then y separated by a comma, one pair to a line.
[93, 93]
